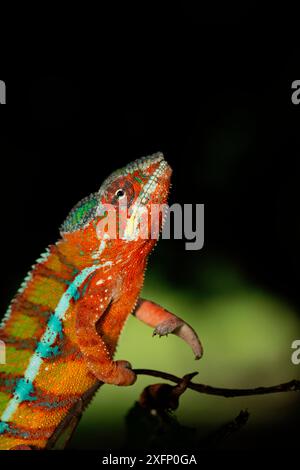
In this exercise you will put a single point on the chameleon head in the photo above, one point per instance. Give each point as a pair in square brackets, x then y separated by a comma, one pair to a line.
[129, 207]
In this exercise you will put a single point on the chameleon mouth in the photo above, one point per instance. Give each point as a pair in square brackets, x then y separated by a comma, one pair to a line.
[158, 178]
[153, 182]
[158, 183]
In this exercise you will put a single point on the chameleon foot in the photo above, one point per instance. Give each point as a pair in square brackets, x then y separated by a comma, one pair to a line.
[178, 327]
[166, 322]
[123, 374]
[167, 326]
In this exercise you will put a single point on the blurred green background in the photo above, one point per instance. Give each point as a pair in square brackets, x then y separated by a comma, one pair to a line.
[233, 143]
[246, 334]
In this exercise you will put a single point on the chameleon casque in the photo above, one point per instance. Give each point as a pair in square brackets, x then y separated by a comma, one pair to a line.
[61, 329]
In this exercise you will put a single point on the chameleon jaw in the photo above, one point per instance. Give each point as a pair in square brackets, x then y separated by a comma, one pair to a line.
[139, 208]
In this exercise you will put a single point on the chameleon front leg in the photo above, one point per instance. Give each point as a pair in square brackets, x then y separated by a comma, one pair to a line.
[165, 322]
[94, 348]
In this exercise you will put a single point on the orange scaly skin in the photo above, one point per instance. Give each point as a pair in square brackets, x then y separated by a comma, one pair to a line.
[63, 326]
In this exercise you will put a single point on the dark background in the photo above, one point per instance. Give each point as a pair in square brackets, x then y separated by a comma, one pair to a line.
[211, 88]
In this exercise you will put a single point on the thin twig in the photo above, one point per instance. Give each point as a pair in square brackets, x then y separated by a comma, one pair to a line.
[292, 386]
[225, 431]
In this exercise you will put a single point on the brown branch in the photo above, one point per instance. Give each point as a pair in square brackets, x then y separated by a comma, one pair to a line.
[225, 431]
[292, 386]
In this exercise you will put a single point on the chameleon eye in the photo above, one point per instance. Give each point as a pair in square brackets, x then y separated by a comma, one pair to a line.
[120, 193]
[119, 190]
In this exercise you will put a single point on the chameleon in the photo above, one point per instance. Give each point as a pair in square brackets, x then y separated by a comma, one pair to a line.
[62, 328]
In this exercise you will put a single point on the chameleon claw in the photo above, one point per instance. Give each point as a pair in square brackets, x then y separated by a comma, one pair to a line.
[183, 330]
[155, 333]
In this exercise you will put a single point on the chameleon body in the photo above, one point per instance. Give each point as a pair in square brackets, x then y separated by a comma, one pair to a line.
[62, 328]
